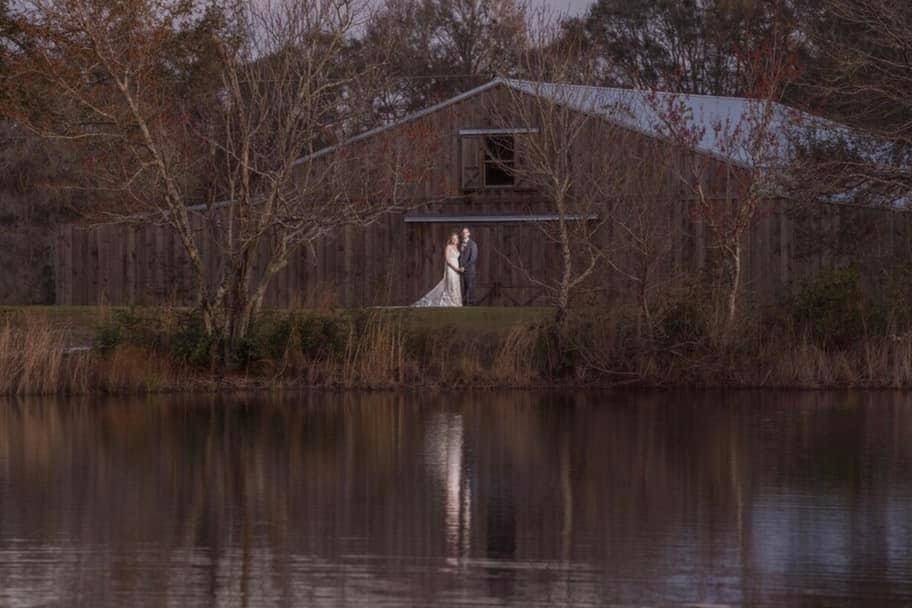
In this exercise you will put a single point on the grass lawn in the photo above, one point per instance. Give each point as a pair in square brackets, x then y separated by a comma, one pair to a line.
[471, 318]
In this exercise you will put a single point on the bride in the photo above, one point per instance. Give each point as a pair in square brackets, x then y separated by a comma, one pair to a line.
[448, 292]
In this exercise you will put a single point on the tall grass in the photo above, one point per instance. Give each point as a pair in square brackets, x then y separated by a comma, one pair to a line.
[132, 369]
[515, 361]
[382, 350]
[385, 350]
[34, 359]
[374, 354]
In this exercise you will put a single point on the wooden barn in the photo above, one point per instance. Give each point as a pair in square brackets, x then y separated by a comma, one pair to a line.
[477, 181]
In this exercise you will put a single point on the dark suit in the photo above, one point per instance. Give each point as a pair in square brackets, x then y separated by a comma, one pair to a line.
[468, 259]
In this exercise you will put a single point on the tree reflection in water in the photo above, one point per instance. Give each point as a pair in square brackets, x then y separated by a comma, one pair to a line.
[514, 498]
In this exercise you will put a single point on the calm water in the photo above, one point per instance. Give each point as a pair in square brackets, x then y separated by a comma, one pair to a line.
[519, 499]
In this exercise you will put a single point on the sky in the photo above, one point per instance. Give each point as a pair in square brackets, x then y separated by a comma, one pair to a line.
[573, 7]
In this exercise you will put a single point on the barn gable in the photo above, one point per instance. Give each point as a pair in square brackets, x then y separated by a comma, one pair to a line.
[643, 111]
[396, 259]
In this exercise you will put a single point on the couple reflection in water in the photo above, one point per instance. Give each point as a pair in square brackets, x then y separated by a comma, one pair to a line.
[498, 506]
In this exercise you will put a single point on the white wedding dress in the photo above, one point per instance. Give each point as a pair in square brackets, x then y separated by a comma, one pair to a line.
[447, 292]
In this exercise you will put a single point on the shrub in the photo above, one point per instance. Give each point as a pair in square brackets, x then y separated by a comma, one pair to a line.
[107, 337]
[269, 338]
[126, 327]
[682, 322]
[275, 337]
[191, 344]
[895, 298]
[246, 351]
[321, 337]
[832, 310]
[422, 345]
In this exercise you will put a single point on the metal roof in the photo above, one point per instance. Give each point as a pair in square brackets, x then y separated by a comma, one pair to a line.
[720, 121]
[724, 127]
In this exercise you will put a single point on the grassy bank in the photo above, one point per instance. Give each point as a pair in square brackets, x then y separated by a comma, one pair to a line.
[165, 349]
[74, 350]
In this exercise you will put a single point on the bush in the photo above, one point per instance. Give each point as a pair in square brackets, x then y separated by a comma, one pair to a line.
[422, 345]
[268, 339]
[833, 310]
[274, 338]
[108, 336]
[191, 344]
[321, 337]
[245, 352]
[185, 339]
[127, 327]
[896, 297]
[682, 322]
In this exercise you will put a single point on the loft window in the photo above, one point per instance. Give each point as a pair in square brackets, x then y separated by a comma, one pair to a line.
[499, 159]
[488, 158]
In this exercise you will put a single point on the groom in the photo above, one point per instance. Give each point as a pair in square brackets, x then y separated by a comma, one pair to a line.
[468, 258]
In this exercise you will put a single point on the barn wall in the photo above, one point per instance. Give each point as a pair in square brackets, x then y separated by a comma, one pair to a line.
[388, 263]
[392, 262]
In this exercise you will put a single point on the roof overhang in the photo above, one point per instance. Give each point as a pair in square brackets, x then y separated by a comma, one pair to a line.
[495, 219]
[407, 119]
[514, 131]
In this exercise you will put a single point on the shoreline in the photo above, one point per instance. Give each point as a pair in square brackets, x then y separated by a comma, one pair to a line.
[195, 383]
[48, 351]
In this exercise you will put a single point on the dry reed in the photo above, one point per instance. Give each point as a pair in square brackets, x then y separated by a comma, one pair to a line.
[34, 359]
[377, 354]
[130, 369]
[381, 350]
[374, 355]
[513, 363]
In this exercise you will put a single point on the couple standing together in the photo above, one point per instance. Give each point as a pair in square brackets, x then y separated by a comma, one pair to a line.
[458, 285]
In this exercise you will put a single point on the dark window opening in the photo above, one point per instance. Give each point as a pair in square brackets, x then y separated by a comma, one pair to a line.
[499, 160]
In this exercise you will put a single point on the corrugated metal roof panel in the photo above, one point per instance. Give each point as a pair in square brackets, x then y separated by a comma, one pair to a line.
[720, 121]
[736, 129]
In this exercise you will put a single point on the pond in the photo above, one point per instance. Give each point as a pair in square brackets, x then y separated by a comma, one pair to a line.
[468, 499]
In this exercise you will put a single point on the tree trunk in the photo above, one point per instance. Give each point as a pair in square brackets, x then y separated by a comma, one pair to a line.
[563, 300]
[644, 308]
[734, 288]
[236, 319]
[563, 293]
[242, 306]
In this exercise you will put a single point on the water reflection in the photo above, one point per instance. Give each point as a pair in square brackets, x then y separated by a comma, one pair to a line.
[512, 499]
[444, 454]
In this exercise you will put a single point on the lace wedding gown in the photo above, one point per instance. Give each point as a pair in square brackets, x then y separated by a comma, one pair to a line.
[448, 292]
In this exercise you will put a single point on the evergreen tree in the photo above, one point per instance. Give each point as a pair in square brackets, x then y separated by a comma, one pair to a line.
[689, 46]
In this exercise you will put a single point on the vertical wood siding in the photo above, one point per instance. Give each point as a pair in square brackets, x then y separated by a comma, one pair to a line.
[393, 262]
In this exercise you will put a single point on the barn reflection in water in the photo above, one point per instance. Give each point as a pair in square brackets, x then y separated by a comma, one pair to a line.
[519, 498]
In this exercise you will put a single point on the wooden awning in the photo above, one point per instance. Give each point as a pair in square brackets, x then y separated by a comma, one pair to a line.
[493, 219]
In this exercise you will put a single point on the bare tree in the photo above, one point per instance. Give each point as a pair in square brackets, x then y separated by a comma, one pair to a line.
[604, 183]
[688, 46]
[543, 155]
[730, 165]
[210, 121]
[862, 78]
[643, 233]
[435, 49]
